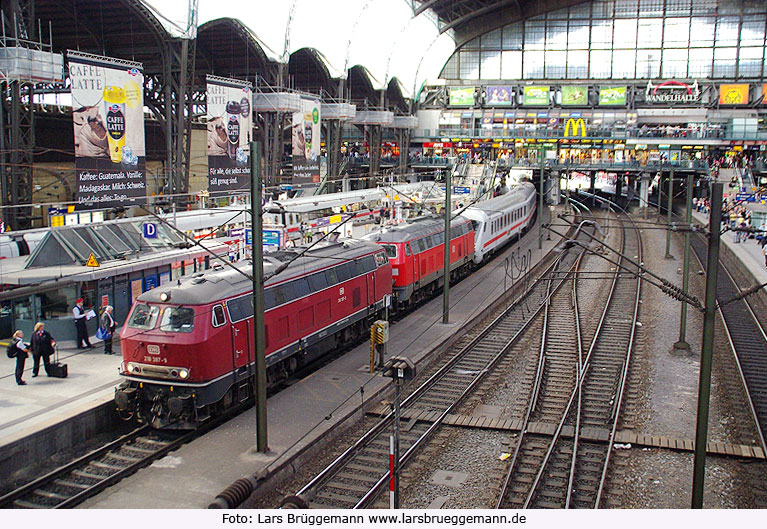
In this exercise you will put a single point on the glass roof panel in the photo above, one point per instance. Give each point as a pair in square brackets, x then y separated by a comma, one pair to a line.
[381, 35]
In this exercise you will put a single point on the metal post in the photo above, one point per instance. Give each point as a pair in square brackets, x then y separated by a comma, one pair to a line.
[540, 203]
[709, 319]
[668, 214]
[395, 483]
[258, 295]
[446, 262]
[682, 343]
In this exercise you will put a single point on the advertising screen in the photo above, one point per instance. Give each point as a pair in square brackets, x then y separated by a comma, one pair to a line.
[306, 142]
[733, 94]
[536, 95]
[461, 96]
[108, 118]
[499, 96]
[229, 134]
[575, 96]
[615, 95]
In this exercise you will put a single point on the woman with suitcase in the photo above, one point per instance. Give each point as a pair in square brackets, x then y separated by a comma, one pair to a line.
[42, 347]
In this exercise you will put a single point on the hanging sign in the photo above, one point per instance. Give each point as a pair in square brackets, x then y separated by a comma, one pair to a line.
[230, 130]
[108, 117]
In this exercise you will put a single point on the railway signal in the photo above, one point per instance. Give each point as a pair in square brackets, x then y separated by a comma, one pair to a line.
[399, 369]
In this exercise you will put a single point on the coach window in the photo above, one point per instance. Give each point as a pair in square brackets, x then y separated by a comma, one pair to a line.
[299, 288]
[331, 276]
[318, 282]
[219, 317]
[342, 272]
[280, 295]
[268, 301]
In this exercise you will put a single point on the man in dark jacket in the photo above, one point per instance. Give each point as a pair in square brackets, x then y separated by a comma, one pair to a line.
[80, 324]
[42, 347]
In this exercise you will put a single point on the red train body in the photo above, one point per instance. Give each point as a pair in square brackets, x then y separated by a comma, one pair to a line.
[187, 346]
[417, 254]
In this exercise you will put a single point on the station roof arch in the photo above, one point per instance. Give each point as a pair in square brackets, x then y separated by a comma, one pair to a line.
[226, 47]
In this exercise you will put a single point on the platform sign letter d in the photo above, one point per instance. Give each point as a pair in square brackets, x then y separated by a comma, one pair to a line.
[150, 230]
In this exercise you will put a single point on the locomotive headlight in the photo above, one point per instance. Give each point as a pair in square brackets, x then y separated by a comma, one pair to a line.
[165, 296]
[183, 373]
[131, 368]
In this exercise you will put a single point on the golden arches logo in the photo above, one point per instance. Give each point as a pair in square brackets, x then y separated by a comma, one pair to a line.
[575, 125]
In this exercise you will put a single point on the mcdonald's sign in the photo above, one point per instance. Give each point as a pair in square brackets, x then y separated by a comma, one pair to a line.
[575, 125]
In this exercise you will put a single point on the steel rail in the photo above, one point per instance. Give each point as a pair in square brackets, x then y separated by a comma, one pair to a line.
[28, 488]
[384, 423]
[733, 347]
[627, 362]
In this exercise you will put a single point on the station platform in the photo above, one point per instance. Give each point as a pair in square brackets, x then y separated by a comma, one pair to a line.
[748, 252]
[304, 413]
[25, 410]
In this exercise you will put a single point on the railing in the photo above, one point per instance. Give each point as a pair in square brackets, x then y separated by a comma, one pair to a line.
[590, 134]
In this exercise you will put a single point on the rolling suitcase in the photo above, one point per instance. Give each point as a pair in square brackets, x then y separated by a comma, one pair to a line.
[58, 370]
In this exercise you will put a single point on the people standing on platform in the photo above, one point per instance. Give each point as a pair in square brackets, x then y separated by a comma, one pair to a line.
[80, 315]
[108, 325]
[19, 350]
[42, 347]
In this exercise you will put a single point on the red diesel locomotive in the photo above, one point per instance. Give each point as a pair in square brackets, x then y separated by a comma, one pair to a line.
[416, 252]
[187, 346]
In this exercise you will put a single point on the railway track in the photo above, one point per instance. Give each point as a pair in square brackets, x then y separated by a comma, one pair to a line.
[747, 338]
[562, 470]
[86, 476]
[356, 477]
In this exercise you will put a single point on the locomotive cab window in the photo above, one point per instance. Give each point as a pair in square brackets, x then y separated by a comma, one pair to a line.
[177, 319]
[381, 259]
[391, 250]
[143, 317]
[219, 317]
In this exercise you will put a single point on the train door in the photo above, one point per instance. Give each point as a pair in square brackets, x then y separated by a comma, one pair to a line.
[241, 356]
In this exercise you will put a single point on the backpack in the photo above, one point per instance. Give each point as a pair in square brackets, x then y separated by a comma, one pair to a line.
[11, 350]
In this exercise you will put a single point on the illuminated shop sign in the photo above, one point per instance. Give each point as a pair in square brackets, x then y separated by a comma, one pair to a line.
[672, 92]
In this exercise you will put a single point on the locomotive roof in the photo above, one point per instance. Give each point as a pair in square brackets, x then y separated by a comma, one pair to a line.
[414, 229]
[517, 194]
[215, 284]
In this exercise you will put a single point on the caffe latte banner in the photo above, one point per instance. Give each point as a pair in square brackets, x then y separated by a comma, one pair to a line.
[108, 116]
[306, 143]
[230, 129]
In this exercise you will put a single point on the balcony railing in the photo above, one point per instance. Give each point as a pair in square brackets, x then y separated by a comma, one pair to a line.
[591, 134]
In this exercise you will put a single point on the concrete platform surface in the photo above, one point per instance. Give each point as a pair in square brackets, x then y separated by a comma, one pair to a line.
[193, 475]
[44, 400]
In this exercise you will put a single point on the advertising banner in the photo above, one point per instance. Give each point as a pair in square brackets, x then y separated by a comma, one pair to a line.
[461, 96]
[733, 94]
[230, 128]
[536, 95]
[575, 96]
[306, 143]
[764, 94]
[498, 96]
[615, 95]
[108, 117]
